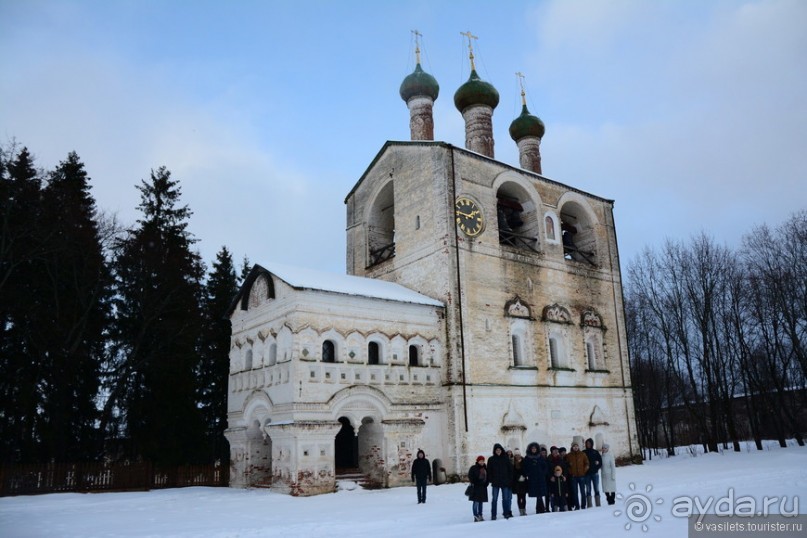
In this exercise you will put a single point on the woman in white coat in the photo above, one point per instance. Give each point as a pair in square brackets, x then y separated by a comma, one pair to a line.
[608, 474]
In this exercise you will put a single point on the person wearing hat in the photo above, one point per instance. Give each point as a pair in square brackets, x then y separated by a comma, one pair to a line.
[608, 473]
[478, 477]
[536, 468]
[565, 466]
[578, 467]
[421, 474]
[558, 486]
[593, 474]
[519, 486]
[500, 476]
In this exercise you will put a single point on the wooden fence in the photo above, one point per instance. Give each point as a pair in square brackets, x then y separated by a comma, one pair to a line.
[34, 479]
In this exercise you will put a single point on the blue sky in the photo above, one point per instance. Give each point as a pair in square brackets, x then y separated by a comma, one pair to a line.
[691, 115]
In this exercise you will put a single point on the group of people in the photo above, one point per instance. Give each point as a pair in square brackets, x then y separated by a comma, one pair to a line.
[556, 480]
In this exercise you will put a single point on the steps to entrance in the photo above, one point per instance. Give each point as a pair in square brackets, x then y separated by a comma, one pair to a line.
[350, 479]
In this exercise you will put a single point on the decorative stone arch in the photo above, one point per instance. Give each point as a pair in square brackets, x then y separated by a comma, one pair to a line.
[355, 347]
[257, 406]
[257, 412]
[332, 335]
[285, 344]
[399, 349]
[362, 410]
[258, 353]
[556, 313]
[552, 230]
[435, 352]
[236, 359]
[382, 342]
[591, 318]
[380, 219]
[309, 343]
[258, 287]
[358, 401]
[578, 228]
[420, 345]
[518, 215]
[593, 329]
[516, 308]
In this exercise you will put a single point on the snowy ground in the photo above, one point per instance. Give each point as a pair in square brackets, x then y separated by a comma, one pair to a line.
[231, 513]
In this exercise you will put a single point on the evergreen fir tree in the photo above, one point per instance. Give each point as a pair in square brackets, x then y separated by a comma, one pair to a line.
[246, 267]
[20, 189]
[157, 330]
[75, 297]
[221, 289]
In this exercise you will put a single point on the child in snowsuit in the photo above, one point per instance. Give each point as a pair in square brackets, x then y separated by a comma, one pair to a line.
[558, 490]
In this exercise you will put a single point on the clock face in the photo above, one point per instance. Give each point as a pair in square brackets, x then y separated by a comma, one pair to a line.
[469, 217]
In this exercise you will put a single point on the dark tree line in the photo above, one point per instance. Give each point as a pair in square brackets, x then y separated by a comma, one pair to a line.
[113, 341]
[717, 339]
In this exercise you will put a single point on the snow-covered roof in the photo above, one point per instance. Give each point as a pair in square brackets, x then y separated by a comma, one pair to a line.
[301, 278]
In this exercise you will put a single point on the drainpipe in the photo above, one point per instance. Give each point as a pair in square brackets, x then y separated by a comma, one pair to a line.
[618, 332]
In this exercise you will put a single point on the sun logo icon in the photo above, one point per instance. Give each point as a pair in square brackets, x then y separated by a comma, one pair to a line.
[638, 507]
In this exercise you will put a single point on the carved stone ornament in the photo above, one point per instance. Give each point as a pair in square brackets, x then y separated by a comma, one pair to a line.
[556, 314]
[259, 291]
[516, 309]
[512, 420]
[597, 417]
[590, 318]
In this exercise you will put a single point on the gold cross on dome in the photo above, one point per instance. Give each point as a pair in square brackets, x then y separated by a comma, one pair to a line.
[417, 35]
[470, 36]
[520, 76]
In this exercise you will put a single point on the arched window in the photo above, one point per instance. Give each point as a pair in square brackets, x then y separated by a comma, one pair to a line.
[248, 360]
[549, 224]
[414, 356]
[595, 358]
[557, 351]
[554, 357]
[518, 353]
[373, 355]
[578, 234]
[272, 353]
[328, 351]
[516, 217]
[591, 355]
[381, 227]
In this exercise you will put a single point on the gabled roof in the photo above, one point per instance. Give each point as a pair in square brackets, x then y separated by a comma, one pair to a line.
[447, 146]
[310, 279]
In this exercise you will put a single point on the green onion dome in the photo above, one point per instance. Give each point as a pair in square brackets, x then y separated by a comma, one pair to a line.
[526, 125]
[419, 82]
[476, 92]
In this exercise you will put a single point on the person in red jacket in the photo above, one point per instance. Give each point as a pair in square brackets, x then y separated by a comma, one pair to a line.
[478, 477]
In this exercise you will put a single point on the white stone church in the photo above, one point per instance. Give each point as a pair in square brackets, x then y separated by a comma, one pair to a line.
[483, 303]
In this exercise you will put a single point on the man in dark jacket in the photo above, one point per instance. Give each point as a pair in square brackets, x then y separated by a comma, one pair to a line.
[593, 474]
[500, 476]
[421, 474]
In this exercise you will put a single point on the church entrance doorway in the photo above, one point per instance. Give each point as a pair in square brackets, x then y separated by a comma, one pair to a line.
[346, 454]
[259, 456]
